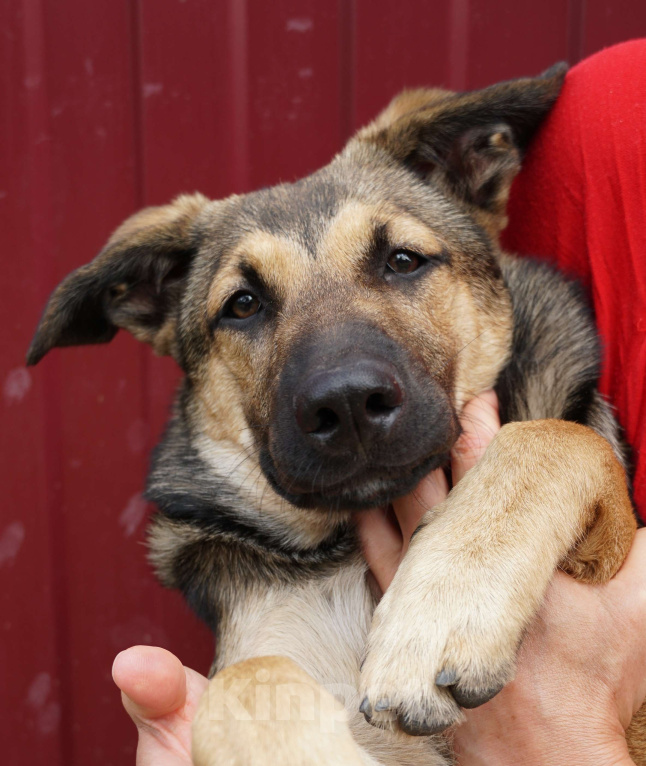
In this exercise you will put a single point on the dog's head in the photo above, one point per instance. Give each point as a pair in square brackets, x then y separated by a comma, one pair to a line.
[331, 329]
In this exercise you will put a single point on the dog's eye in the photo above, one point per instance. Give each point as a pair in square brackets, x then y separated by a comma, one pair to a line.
[404, 262]
[242, 305]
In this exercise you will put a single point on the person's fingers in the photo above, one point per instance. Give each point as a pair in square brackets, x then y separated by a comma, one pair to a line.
[631, 579]
[381, 542]
[161, 697]
[152, 681]
[633, 570]
[480, 423]
[433, 489]
[196, 684]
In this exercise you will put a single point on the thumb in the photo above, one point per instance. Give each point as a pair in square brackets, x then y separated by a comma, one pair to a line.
[152, 682]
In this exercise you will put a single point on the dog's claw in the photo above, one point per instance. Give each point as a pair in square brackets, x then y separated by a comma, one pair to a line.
[381, 705]
[421, 728]
[446, 677]
[366, 708]
[471, 699]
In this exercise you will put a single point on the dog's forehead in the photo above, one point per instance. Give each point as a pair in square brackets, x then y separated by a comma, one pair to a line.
[299, 211]
[341, 250]
[319, 224]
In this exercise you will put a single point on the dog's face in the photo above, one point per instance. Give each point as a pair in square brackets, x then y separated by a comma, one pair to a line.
[331, 329]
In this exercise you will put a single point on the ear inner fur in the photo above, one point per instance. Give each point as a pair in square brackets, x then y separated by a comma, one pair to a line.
[134, 283]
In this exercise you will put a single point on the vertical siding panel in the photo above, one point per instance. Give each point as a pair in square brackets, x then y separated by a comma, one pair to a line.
[186, 92]
[187, 141]
[346, 47]
[32, 724]
[98, 409]
[507, 40]
[239, 93]
[607, 23]
[576, 26]
[459, 44]
[294, 91]
[398, 45]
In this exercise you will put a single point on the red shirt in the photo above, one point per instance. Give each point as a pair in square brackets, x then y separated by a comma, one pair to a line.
[580, 201]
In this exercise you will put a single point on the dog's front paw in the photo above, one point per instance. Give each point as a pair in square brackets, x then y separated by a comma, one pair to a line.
[444, 636]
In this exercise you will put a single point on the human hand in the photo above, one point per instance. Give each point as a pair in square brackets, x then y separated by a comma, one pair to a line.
[581, 676]
[581, 670]
[161, 697]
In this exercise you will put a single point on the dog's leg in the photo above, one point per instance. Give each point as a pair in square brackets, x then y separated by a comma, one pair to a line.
[269, 711]
[446, 633]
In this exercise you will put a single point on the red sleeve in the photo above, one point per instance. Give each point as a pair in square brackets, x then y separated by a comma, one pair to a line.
[580, 201]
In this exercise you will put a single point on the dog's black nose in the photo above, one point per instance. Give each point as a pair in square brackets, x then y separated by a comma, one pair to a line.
[356, 403]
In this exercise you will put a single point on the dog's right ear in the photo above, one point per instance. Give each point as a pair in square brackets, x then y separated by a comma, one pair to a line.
[135, 283]
[471, 144]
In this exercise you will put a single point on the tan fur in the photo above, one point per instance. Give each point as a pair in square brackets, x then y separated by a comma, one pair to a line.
[306, 527]
[482, 345]
[303, 721]
[280, 260]
[404, 104]
[636, 737]
[166, 222]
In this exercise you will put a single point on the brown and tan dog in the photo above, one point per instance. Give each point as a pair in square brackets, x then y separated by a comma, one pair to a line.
[330, 332]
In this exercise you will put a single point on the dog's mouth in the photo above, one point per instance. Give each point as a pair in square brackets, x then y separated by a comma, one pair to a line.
[367, 488]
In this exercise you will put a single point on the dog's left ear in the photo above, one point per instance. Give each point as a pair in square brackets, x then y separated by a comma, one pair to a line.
[135, 283]
[470, 143]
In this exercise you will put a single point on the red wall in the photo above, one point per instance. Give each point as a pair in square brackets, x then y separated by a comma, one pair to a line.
[109, 105]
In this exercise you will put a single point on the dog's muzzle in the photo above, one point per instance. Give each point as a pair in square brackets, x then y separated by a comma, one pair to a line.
[356, 422]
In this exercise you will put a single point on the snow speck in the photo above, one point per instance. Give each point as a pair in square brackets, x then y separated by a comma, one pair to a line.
[32, 82]
[132, 515]
[299, 25]
[39, 690]
[16, 385]
[152, 88]
[11, 542]
[47, 712]
[136, 436]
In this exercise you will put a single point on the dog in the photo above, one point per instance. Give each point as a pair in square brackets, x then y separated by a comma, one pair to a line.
[330, 332]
